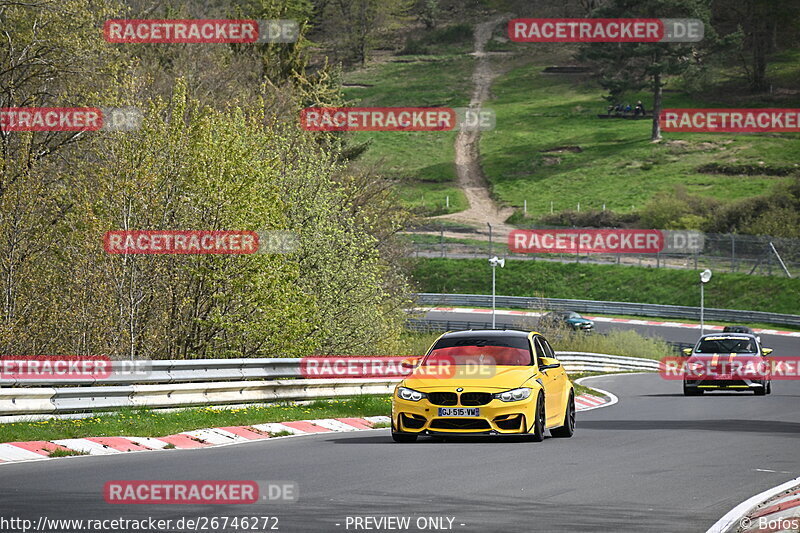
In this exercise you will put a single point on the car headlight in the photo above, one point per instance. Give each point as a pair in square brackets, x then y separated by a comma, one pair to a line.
[514, 395]
[412, 395]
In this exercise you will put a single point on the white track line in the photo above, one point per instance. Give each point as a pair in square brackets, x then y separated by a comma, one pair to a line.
[612, 399]
[740, 511]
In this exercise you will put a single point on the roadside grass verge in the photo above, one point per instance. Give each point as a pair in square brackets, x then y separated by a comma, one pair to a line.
[434, 70]
[152, 423]
[65, 453]
[608, 283]
[423, 163]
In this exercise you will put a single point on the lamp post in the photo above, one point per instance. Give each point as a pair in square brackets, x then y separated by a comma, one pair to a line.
[493, 262]
[705, 275]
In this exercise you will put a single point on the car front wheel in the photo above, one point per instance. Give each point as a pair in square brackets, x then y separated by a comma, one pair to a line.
[538, 422]
[568, 429]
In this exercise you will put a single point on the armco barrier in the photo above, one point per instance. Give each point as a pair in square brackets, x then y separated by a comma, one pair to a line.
[219, 382]
[609, 308]
[428, 325]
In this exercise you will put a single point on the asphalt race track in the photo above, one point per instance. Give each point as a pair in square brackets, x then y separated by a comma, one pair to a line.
[783, 345]
[655, 461]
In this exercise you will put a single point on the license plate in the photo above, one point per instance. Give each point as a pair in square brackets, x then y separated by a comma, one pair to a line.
[459, 411]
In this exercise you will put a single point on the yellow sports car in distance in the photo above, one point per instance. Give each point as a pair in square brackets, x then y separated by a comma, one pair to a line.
[485, 382]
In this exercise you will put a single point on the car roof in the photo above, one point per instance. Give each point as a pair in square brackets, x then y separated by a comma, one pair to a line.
[729, 335]
[488, 333]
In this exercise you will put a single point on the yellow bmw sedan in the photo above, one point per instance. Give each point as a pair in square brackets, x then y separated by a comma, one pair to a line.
[485, 382]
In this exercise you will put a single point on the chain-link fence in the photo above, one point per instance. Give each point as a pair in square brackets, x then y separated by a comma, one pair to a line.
[747, 254]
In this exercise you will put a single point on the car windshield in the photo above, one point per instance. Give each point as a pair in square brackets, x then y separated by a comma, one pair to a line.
[574, 315]
[509, 351]
[727, 345]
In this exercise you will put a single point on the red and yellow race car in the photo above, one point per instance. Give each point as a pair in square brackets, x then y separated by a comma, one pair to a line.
[727, 361]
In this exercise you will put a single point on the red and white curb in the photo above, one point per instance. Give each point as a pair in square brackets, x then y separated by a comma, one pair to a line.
[199, 438]
[11, 452]
[587, 402]
[774, 510]
[657, 323]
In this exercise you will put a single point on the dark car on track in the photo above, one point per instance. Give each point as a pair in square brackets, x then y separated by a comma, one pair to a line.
[737, 329]
[566, 320]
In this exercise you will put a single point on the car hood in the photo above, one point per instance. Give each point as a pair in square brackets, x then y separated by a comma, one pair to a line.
[723, 361]
[496, 377]
[716, 357]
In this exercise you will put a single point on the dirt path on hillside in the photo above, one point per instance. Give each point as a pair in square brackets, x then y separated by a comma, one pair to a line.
[482, 208]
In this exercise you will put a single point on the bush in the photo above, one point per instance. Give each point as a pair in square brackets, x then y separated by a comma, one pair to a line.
[746, 170]
[760, 214]
[617, 342]
[670, 209]
[449, 34]
[589, 219]
[413, 47]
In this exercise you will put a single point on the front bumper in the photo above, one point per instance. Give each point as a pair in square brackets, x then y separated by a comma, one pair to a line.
[732, 384]
[496, 418]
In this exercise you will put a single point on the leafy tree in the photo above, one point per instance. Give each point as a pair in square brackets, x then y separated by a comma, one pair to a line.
[763, 25]
[632, 67]
[51, 56]
[354, 26]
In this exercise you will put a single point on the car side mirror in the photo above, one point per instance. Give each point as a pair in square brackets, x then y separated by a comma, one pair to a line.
[546, 363]
[687, 351]
[766, 351]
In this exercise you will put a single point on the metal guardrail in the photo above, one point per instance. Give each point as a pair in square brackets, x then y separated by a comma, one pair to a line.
[180, 371]
[598, 362]
[427, 325]
[609, 308]
[176, 384]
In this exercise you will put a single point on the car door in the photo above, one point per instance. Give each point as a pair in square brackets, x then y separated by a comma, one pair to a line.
[556, 399]
[548, 379]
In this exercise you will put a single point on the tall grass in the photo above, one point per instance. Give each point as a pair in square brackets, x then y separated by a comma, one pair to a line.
[617, 342]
